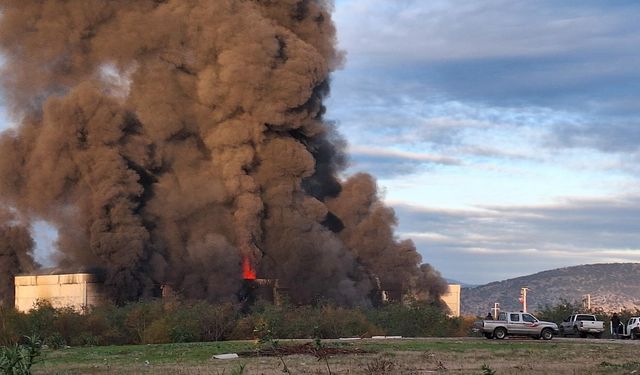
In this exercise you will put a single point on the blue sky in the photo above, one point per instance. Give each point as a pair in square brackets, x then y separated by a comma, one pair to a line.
[505, 133]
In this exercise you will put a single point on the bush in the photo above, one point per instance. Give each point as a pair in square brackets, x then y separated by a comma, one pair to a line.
[139, 317]
[216, 322]
[557, 313]
[12, 326]
[335, 322]
[156, 321]
[18, 359]
[107, 325]
[41, 319]
[68, 326]
[460, 326]
[414, 319]
[157, 332]
[183, 325]
[55, 341]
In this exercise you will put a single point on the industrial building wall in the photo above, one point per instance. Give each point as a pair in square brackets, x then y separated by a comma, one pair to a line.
[452, 299]
[69, 290]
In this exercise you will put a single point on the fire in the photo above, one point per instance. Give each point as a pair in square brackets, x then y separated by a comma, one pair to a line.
[248, 273]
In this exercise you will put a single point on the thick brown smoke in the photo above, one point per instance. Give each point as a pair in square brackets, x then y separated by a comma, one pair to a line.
[16, 248]
[168, 140]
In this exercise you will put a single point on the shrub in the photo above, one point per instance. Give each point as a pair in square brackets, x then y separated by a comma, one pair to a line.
[107, 324]
[40, 319]
[243, 329]
[18, 359]
[12, 326]
[68, 326]
[216, 321]
[157, 332]
[460, 326]
[156, 321]
[557, 313]
[335, 322]
[140, 316]
[414, 319]
[55, 341]
[183, 325]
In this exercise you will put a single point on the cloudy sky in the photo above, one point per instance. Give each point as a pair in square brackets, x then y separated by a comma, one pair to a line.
[505, 133]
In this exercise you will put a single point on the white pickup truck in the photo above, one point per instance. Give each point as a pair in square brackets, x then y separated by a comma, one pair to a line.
[582, 325]
[631, 330]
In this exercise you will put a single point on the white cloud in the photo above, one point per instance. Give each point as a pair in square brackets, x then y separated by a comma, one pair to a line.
[524, 239]
[468, 29]
[388, 153]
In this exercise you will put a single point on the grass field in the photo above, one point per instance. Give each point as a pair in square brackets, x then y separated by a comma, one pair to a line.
[407, 356]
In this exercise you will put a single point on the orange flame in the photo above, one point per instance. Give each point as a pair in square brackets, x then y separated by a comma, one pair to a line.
[248, 272]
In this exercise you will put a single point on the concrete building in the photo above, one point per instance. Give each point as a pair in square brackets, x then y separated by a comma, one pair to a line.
[75, 290]
[452, 299]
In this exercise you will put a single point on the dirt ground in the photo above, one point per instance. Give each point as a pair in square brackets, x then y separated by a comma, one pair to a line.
[413, 356]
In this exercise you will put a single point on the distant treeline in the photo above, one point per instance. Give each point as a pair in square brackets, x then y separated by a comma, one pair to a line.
[557, 313]
[156, 321]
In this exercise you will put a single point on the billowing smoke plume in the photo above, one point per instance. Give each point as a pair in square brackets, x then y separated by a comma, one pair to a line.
[169, 140]
[16, 248]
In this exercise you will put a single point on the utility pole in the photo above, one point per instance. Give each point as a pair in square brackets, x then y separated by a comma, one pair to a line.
[523, 298]
[586, 301]
[496, 310]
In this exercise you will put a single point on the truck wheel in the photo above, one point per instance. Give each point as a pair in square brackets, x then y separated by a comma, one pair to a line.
[597, 335]
[546, 334]
[488, 335]
[583, 335]
[562, 333]
[500, 333]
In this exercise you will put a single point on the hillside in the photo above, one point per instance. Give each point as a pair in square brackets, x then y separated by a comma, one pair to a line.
[612, 286]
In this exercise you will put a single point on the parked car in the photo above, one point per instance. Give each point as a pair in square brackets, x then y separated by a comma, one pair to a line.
[516, 324]
[582, 325]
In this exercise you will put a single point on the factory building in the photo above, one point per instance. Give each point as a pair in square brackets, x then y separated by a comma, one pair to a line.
[452, 299]
[79, 290]
[75, 290]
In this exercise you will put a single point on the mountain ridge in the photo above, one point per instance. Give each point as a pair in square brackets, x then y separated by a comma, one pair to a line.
[612, 286]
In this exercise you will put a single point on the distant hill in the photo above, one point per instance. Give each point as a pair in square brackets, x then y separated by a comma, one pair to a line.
[462, 283]
[612, 286]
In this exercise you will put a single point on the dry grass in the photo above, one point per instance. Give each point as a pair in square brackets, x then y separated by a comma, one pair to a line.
[420, 356]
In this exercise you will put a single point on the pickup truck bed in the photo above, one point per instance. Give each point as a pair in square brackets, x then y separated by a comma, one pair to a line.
[582, 325]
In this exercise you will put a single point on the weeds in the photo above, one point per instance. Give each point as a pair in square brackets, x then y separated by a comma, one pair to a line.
[380, 366]
[265, 338]
[19, 359]
[319, 351]
[633, 365]
[239, 370]
[55, 342]
[431, 358]
[486, 370]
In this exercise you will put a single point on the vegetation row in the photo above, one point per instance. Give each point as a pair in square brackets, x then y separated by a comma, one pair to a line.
[151, 322]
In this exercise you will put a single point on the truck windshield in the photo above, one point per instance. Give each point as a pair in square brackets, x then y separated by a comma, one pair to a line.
[502, 316]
